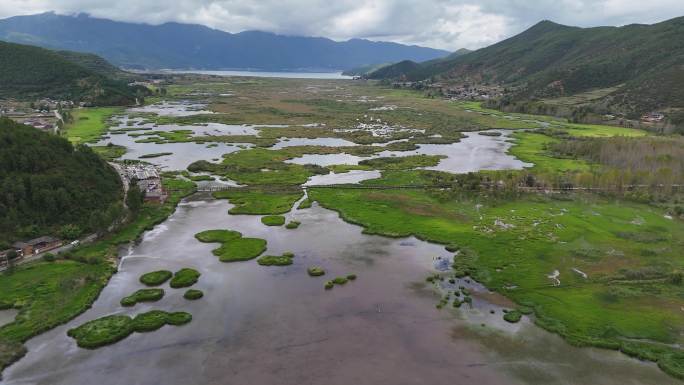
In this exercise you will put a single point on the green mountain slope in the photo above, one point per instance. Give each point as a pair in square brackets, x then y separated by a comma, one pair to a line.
[33, 72]
[46, 183]
[550, 60]
[96, 64]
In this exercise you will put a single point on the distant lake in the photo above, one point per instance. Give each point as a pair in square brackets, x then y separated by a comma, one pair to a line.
[264, 74]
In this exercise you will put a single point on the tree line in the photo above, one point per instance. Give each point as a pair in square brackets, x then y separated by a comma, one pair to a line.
[48, 186]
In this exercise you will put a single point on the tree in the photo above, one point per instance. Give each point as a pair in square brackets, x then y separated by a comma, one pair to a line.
[12, 255]
[134, 199]
[70, 231]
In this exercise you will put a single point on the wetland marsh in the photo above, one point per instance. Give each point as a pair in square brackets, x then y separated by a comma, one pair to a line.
[407, 227]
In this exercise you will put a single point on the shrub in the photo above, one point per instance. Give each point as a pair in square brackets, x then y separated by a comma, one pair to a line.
[184, 278]
[315, 271]
[49, 257]
[155, 278]
[143, 295]
[70, 231]
[273, 220]
[193, 294]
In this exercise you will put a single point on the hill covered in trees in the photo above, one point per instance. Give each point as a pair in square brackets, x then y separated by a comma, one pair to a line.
[185, 46]
[643, 63]
[33, 72]
[47, 185]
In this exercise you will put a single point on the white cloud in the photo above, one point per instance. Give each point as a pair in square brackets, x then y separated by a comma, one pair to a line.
[448, 24]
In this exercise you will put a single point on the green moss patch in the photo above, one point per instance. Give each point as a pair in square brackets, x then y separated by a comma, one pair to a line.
[315, 271]
[512, 316]
[149, 321]
[292, 225]
[184, 278]
[340, 280]
[234, 248]
[272, 260]
[219, 236]
[273, 220]
[102, 331]
[242, 249]
[110, 329]
[143, 295]
[156, 278]
[193, 294]
[178, 318]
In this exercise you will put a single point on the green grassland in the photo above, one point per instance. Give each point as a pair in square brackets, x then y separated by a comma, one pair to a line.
[89, 124]
[260, 201]
[109, 152]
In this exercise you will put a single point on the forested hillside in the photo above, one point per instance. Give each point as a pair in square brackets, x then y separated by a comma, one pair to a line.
[46, 184]
[33, 72]
[642, 62]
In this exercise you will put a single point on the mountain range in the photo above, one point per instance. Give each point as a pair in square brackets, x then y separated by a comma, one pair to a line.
[638, 67]
[190, 46]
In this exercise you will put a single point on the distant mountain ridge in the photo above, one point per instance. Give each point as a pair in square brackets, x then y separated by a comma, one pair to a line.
[189, 46]
[645, 63]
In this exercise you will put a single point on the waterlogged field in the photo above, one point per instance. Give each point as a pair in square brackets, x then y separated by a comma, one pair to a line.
[351, 222]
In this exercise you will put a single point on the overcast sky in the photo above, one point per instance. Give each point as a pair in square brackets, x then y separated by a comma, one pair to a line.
[447, 24]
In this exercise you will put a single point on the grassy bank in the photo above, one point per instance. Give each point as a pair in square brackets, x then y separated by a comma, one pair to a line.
[89, 124]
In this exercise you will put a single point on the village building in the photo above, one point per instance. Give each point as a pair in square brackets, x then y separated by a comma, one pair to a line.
[148, 180]
[37, 245]
[653, 117]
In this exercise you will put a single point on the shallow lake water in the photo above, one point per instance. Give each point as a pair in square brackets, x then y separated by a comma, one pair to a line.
[474, 152]
[269, 74]
[164, 108]
[277, 325]
[328, 142]
[183, 153]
